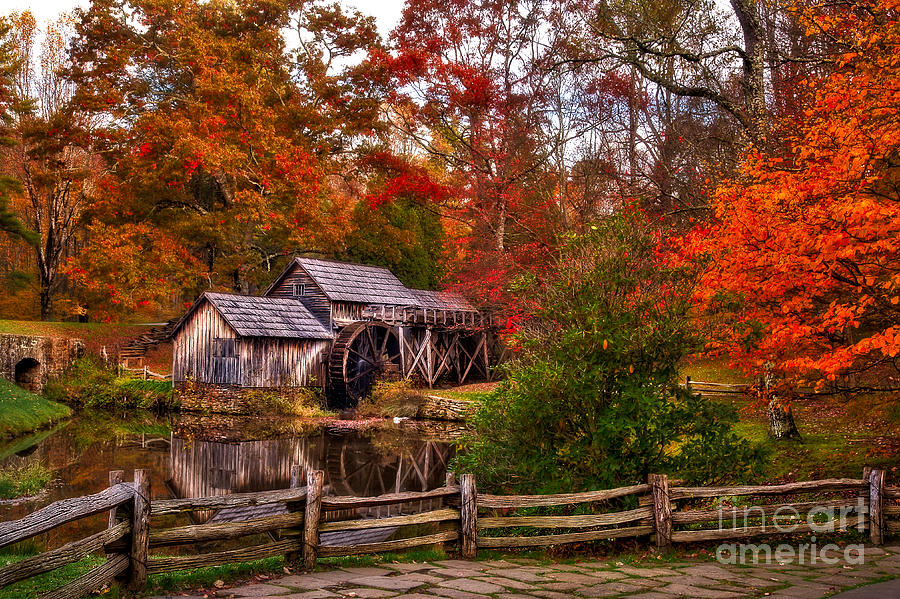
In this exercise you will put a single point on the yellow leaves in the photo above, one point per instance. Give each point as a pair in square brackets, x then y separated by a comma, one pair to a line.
[895, 300]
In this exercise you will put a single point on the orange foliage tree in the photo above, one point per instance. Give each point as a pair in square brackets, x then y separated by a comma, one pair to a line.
[220, 135]
[804, 253]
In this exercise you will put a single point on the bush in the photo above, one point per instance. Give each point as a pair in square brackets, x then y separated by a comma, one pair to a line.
[592, 400]
[390, 399]
[90, 383]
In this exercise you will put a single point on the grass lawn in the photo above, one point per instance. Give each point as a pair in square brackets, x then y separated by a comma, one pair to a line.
[22, 411]
[472, 392]
[839, 435]
[34, 587]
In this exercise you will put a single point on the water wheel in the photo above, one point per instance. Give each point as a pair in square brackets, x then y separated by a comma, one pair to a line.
[362, 353]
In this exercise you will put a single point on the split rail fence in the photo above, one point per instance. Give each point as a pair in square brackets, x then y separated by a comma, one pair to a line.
[296, 518]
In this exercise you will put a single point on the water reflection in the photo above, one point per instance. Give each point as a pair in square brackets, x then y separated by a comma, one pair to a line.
[194, 456]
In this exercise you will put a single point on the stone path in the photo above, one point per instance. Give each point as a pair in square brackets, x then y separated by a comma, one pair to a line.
[514, 578]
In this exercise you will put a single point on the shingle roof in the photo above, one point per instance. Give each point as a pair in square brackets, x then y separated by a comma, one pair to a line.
[252, 316]
[344, 282]
[441, 300]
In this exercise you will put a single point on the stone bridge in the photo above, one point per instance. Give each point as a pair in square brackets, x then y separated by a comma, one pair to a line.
[30, 361]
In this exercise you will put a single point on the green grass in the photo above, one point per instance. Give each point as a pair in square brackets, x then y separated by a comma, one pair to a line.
[456, 394]
[356, 561]
[713, 370]
[205, 578]
[33, 587]
[839, 436]
[90, 383]
[27, 480]
[23, 412]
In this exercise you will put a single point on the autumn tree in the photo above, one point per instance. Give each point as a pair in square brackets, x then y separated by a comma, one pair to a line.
[10, 62]
[477, 96]
[51, 151]
[804, 253]
[399, 225]
[228, 140]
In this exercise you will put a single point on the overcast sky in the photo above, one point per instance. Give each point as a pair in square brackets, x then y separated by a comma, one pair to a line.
[387, 12]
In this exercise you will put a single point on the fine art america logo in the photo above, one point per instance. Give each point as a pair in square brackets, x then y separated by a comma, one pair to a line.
[788, 520]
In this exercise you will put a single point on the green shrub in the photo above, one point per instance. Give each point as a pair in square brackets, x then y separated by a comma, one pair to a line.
[90, 383]
[592, 400]
[25, 480]
[391, 399]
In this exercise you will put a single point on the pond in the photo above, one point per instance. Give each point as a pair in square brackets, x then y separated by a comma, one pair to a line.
[191, 456]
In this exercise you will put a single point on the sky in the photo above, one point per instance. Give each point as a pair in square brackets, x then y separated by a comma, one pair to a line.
[386, 12]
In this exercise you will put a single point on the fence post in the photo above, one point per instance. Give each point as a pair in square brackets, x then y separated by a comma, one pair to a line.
[140, 530]
[450, 479]
[315, 481]
[115, 515]
[468, 512]
[293, 557]
[876, 504]
[115, 477]
[662, 510]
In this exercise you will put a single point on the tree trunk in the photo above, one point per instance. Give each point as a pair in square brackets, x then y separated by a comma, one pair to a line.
[754, 65]
[780, 416]
[781, 420]
[46, 301]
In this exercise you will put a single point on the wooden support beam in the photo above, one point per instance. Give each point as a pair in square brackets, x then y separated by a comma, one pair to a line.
[419, 354]
[429, 359]
[487, 362]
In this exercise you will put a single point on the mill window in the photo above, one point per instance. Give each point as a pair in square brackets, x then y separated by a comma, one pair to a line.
[223, 348]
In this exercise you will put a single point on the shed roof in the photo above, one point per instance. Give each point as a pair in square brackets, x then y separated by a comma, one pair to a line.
[345, 282]
[441, 300]
[252, 316]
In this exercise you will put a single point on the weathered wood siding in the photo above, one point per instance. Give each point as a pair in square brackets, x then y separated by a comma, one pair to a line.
[254, 361]
[273, 362]
[315, 299]
[192, 350]
[347, 311]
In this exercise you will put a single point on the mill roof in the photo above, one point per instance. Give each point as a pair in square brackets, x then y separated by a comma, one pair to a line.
[346, 282]
[252, 316]
[441, 300]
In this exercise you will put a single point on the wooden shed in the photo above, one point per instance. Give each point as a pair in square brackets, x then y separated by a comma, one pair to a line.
[246, 341]
[334, 324]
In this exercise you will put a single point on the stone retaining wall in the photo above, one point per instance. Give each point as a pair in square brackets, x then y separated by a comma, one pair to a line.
[30, 361]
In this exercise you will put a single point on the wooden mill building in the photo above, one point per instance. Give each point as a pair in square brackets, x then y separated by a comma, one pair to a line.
[324, 323]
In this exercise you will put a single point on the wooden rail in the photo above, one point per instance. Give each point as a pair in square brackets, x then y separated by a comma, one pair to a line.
[143, 373]
[708, 388]
[660, 509]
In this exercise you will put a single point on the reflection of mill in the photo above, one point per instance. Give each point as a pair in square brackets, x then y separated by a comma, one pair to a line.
[353, 465]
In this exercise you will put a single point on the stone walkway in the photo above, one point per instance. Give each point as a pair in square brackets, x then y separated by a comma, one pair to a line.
[514, 578]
